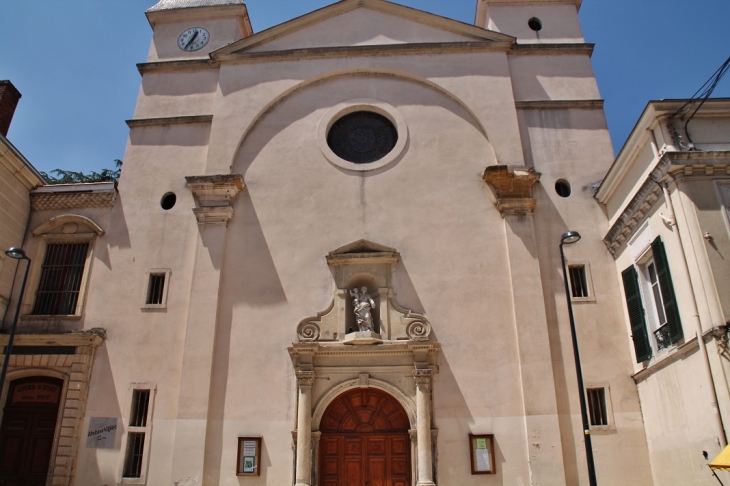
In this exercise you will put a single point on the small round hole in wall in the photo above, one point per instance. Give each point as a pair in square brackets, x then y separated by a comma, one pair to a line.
[562, 187]
[168, 201]
[535, 24]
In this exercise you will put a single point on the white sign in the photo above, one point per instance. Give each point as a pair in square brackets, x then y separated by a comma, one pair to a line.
[102, 433]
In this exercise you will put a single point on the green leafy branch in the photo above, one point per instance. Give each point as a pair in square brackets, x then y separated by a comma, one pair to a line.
[61, 176]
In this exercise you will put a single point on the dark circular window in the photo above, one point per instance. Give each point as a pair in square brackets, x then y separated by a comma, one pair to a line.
[562, 187]
[168, 201]
[362, 137]
[535, 24]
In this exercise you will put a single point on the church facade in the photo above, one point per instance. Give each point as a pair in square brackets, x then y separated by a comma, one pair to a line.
[333, 259]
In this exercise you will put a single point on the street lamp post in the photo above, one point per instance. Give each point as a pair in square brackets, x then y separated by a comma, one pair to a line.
[568, 238]
[16, 254]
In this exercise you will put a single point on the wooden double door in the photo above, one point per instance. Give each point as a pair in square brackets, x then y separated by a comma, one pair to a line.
[27, 431]
[366, 460]
[365, 441]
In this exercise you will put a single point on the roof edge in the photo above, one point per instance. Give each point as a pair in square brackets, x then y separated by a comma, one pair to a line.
[18, 155]
[654, 109]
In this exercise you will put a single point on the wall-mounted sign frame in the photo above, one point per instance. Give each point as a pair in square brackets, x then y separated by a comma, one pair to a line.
[482, 454]
[249, 456]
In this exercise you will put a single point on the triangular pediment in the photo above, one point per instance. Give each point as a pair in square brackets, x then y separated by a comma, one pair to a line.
[361, 246]
[351, 23]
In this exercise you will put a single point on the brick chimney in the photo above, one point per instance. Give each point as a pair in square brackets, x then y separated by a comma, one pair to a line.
[9, 97]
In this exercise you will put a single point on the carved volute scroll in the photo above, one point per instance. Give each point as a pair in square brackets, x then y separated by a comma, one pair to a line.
[364, 264]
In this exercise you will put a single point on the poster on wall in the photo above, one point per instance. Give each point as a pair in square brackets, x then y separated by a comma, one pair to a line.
[102, 433]
[482, 454]
[249, 455]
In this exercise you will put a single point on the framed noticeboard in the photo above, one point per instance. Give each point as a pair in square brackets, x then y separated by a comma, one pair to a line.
[482, 454]
[249, 456]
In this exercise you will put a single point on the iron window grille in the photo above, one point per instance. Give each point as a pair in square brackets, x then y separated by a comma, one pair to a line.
[156, 289]
[578, 281]
[60, 281]
[597, 406]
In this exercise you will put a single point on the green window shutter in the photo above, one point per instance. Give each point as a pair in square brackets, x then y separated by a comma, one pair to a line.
[665, 284]
[642, 346]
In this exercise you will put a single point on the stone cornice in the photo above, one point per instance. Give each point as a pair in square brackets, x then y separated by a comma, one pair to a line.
[364, 51]
[559, 105]
[214, 197]
[172, 120]
[73, 196]
[552, 49]
[89, 337]
[176, 66]
[338, 349]
[672, 166]
[513, 186]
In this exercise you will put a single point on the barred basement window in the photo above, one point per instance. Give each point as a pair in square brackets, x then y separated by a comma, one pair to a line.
[155, 289]
[60, 281]
[597, 406]
[578, 281]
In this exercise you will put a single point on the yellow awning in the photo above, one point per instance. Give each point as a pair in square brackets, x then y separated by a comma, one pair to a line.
[722, 461]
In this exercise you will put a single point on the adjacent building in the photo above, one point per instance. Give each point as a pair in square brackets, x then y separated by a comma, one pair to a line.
[17, 178]
[667, 197]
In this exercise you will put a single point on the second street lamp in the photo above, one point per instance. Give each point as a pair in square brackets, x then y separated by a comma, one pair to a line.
[570, 237]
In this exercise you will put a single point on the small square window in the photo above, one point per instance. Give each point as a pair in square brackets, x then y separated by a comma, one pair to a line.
[155, 289]
[579, 279]
[157, 285]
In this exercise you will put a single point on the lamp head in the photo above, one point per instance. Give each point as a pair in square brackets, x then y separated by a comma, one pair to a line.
[569, 237]
[16, 253]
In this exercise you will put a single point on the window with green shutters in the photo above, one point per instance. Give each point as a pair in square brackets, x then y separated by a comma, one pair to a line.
[671, 312]
[650, 288]
[635, 306]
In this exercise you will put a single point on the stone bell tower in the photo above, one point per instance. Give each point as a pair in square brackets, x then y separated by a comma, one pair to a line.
[191, 29]
[532, 21]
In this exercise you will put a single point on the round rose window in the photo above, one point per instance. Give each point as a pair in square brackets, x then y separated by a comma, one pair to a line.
[362, 137]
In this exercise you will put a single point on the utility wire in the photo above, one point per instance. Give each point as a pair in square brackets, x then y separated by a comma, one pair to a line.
[693, 105]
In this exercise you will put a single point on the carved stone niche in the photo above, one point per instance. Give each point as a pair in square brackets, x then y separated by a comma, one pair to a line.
[364, 264]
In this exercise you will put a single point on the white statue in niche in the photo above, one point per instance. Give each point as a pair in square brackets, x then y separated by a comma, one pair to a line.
[363, 305]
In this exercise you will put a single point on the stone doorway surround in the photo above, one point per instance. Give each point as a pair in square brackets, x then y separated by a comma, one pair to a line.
[75, 371]
[403, 369]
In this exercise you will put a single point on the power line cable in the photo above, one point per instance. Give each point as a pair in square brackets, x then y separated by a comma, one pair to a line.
[693, 105]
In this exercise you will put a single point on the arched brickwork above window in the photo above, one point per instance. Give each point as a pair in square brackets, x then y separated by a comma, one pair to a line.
[364, 410]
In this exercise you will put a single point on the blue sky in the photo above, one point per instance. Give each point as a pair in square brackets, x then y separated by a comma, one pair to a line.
[74, 62]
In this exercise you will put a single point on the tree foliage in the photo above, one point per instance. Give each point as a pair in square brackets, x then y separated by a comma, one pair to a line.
[60, 176]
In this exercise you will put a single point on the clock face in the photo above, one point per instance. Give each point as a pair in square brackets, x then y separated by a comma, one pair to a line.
[193, 39]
